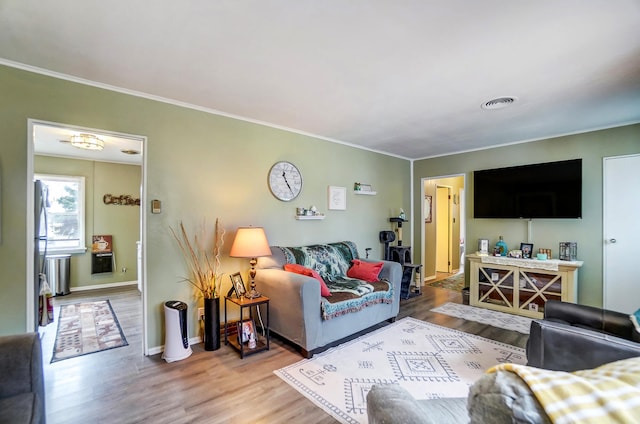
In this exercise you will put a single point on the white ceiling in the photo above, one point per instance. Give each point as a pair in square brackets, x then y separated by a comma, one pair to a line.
[404, 77]
[53, 140]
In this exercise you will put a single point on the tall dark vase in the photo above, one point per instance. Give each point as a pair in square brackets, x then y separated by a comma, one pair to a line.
[212, 324]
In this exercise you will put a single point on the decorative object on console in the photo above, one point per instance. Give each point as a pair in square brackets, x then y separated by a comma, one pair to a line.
[568, 251]
[501, 248]
[250, 242]
[203, 263]
[527, 250]
[483, 246]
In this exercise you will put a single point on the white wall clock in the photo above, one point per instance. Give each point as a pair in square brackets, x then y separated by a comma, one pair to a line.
[285, 181]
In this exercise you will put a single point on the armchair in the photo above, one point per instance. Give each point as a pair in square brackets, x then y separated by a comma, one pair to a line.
[573, 337]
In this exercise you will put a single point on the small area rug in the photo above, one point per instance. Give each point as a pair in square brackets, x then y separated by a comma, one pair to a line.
[428, 360]
[85, 328]
[486, 316]
[455, 282]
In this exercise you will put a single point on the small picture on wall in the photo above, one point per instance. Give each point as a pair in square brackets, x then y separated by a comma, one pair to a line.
[427, 209]
[527, 249]
[337, 198]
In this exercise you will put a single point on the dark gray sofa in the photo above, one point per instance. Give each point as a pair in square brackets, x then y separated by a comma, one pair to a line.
[21, 379]
[295, 311]
[573, 337]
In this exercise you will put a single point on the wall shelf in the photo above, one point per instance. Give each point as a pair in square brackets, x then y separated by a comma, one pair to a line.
[309, 217]
[367, 193]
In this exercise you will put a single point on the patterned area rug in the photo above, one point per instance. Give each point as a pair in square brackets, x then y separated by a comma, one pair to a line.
[486, 316]
[455, 282]
[85, 328]
[428, 360]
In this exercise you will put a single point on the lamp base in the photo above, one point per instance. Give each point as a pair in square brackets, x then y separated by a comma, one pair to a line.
[252, 294]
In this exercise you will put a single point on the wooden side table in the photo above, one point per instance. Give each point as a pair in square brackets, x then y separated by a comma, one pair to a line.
[262, 341]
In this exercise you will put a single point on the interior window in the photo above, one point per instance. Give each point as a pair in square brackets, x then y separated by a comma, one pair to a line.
[64, 205]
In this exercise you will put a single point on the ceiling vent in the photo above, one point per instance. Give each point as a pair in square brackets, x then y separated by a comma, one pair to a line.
[499, 103]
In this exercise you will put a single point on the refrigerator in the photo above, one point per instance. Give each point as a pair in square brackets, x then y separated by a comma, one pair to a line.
[43, 309]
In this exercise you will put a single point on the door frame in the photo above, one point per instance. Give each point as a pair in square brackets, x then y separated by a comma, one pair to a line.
[423, 241]
[30, 284]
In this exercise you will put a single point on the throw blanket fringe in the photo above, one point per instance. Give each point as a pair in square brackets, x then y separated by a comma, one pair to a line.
[333, 310]
[607, 394]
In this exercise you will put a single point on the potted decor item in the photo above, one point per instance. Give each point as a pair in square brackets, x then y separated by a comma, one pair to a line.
[203, 261]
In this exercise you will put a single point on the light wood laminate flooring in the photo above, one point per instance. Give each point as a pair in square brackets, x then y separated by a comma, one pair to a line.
[123, 386]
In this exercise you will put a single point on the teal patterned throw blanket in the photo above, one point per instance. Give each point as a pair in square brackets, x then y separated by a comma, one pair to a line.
[332, 261]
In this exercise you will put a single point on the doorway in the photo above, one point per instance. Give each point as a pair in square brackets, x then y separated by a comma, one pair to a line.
[49, 151]
[443, 226]
[620, 233]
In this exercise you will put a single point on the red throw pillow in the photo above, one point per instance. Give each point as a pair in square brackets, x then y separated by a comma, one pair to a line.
[367, 271]
[300, 269]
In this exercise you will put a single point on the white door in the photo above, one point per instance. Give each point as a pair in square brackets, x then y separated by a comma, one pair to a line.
[621, 233]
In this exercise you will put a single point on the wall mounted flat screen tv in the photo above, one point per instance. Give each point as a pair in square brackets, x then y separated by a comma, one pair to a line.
[542, 190]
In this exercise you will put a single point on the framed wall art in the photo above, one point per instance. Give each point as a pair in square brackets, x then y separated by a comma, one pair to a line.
[427, 209]
[337, 198]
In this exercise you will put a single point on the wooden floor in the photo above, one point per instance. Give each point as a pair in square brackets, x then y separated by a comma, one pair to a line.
[123, 386]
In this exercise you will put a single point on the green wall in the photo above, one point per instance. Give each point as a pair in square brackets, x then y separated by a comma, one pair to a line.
[201, 166]
[587, 232]
[122, 222]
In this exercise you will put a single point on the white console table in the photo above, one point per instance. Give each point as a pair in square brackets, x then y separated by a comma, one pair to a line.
[521, 286]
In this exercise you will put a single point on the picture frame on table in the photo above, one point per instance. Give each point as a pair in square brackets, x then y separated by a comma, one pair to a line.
[527, 250]
[237, 285]
[246, 328]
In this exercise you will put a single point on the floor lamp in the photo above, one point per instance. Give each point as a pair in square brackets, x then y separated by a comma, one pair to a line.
[250, 242]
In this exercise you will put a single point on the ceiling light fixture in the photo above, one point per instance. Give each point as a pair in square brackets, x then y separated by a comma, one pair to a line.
[130, 151]
[499, 103]
[87, 142]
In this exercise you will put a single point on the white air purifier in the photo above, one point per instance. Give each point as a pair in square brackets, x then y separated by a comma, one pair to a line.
[176, 343]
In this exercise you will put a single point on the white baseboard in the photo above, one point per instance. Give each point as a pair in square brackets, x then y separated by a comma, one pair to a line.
[104, 286]
[159, 349]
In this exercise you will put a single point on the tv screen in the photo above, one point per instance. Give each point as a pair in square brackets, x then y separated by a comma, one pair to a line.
[542, 190]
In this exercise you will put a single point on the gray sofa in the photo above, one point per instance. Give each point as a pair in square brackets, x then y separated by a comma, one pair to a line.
[295, 301]
[497, 398]
[21, 379]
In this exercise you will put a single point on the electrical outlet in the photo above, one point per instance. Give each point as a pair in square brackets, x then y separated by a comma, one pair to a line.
[200, 314]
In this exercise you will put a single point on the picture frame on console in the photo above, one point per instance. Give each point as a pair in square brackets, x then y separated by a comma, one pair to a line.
[527, 250]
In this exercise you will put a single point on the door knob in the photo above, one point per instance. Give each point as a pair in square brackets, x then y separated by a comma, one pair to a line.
[612, 240]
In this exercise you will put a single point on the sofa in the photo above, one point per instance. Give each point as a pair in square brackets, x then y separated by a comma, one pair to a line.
[576, 339]
[21, 379]
[573, 337]
[312, 322]
[496, 398]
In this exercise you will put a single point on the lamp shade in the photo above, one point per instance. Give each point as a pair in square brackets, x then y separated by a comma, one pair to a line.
[250, 242]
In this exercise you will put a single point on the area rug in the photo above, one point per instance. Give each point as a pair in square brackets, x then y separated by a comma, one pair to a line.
[428, 360]
[486, 316]
[85, 328]
[455, 282]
